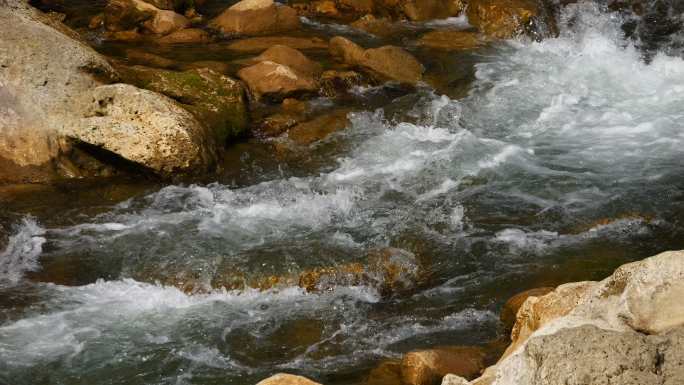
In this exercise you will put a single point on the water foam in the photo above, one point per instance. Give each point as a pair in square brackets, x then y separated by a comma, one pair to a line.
[22, 252]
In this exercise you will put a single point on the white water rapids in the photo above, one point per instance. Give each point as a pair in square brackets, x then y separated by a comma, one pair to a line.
[555, 137]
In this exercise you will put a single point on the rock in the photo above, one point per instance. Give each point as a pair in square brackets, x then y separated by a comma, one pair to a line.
[359, 7]
[217, 66]
[421, 10]
[123, 15]
[256, 17]
[215, 99]
[388, 372]
[186, 36]
[260, 44]
[325, 8]
[143, 127]
[617, 331]
[385, 63]
[375, 26]
[287, 379]
[452, 379]
[333, 83]
[126, 36]
[166, 22]
[96, 21]
[149, 59]
[292, 58]
[276, 81]
[511, 307]
[276, 124]
[502, 19]
[318, 128]
[428, 367]
[451, 40]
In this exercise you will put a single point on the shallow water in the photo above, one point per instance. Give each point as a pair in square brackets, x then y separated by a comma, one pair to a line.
[563, 162]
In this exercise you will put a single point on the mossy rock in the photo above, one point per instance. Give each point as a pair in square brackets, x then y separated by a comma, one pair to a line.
[215, 99]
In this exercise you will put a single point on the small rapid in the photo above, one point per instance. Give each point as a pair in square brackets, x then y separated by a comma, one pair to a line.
[564, 160]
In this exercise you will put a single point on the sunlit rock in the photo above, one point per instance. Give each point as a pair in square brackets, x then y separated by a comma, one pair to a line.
[504, 19]
[256, 17]
[186, 36]
[276, 81]
[511, 307]
[428, 367]
[452, 40]
[292, 58]
[287, 379]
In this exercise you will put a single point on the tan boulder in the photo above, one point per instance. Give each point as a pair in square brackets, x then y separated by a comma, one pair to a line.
[502, 19]
[451, 40]
[143, 127]
[186, 36]
[319, 128]
[428, 367]
[287, 379]
[256, 17]
[388, 63]
[165, 22]
[276, 81]
[511, 307]
[292, 58]
[260, 44]
[123, 15]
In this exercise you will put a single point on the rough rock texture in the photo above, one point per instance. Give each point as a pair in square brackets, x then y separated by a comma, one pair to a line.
[427, 367]
[123, 15]
[452, 379]
[319, 127]
[505, 18]
[256, 17]
[186, 36]
[215, 99]
[276, 81]
[625, 330]
[165, 22]
[144, 127]
[388, 372]
[292, 58]
[286, 379]
[385, 63]
[49, 81]
[511, 307]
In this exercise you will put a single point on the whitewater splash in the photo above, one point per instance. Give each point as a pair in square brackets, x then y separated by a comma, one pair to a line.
[22, 252]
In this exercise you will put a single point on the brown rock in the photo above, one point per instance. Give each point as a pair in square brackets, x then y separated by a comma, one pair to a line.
[130, 35]
[287, 379]
[256, 17]
[356, 6]
[166, 22]
[213, 65]
[428, 367]
[276, 81]
[375, 26]
[385, 63]
[260, 44]
[501, 19]
[451, 40]
[292, 58]
[148, 59]
[326, 8]
[186, 36]
[122, 15]
[96, 21]
[386, 373]
[511, 307]
[318, 128]
[333, 83]
[420, 10]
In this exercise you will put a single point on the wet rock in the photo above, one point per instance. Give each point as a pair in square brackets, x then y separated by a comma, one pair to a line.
[502, 19]
[142, 127]
[386, 373]
[124, 15]
[256, 17]
[292, 58]
[385, 63]
[356, 6]
[277, 124]
[451, 40]
[326, 8]
[287, 379]
[132, 35]
[217, 66]
[334, 83]
[421, 10]
[166, 22]
[383, 27]
[260, 44]
[148, 59]
[276, 81]
[428, 367]
[318, 128]
[215, 99]
[186, 36]
[511, 307]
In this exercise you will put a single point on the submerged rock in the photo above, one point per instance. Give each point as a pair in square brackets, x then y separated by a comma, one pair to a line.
[428, 367]
[256, 17]
[451, 40]
[385, 63]
[260, 44]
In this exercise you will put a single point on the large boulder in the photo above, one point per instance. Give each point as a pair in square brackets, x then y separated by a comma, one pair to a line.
[624, 330]
[292, 58]
[49, 81]
[215, 99]
[256, 17]
[388, 63]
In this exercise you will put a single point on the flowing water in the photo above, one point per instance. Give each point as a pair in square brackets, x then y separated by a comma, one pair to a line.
[563, 162]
